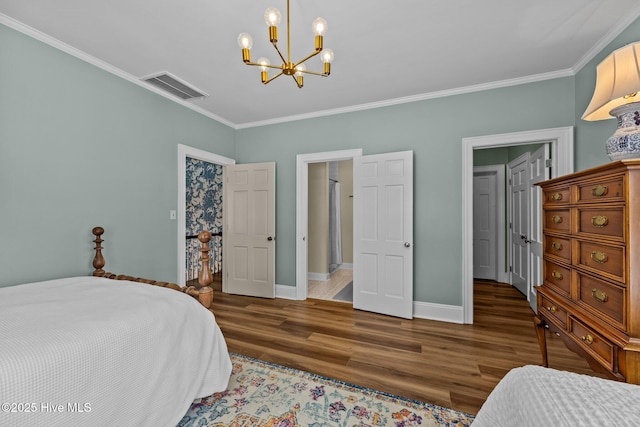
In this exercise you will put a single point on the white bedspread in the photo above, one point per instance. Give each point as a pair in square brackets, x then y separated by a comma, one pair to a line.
[536, 396]
[89, 351]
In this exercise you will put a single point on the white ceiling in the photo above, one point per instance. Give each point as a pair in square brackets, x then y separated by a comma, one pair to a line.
[385, 52]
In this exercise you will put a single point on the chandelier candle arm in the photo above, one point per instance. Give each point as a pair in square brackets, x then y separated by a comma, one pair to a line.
[296, 70]
[315, 73]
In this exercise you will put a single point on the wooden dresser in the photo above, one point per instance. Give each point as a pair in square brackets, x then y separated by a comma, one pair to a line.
[591, 291]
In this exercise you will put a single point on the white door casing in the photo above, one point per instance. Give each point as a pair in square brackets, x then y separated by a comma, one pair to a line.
[249, 230]
[383, 233]
[185, 151]
[485, 245]
[302, 209]
[538, 172]
[519, 190]
[561, 141]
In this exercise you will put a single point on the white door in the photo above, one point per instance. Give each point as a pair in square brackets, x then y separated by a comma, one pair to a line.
[538, 172]
[484, 225]
[519, 222]
[249, 230]
[383, 233]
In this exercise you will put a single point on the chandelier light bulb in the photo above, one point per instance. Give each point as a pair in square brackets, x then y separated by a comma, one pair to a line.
[264, 62]
[326, 56]
[272, 16]
[245, 41]
[319, 26]
[300, 68]
[288, 66]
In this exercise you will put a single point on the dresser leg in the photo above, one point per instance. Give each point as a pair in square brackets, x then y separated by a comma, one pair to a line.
[540, 326]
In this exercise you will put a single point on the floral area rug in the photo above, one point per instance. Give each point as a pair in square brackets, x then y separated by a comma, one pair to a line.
[262, 394]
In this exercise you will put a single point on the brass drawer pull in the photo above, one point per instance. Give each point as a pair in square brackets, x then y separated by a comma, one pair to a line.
[552, 308]
[557, 219]
[556, 197]
[599, 295]
[588, 339]
[556, 275]
[599, 257]
[599, 221]
[599, 191]
[557, 246]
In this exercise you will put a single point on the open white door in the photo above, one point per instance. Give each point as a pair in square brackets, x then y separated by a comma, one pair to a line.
[249, 230]
[383, 233]
[538, 172]
[519, 222]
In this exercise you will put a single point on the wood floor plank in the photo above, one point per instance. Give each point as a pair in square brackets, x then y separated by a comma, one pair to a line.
[447, 364]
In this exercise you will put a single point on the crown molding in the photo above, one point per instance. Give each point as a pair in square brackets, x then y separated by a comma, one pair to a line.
[607, 39]
[53, 42]
[597, 48]
[413, 98]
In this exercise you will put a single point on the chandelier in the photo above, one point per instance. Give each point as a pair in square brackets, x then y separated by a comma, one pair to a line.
[294, 69]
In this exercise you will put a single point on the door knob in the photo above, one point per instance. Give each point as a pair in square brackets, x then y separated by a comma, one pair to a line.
[407, 244]
[525, 238]
[270, 238]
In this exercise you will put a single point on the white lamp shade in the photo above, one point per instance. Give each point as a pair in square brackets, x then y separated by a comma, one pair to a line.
[616, 77]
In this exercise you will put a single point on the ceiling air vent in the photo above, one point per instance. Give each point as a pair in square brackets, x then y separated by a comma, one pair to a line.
[174, 86]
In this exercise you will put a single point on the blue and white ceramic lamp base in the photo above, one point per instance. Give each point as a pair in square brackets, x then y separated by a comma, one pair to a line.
[625, 142]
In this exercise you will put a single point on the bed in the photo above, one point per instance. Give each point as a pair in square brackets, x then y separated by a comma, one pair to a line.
[94, 351]
[538, 396]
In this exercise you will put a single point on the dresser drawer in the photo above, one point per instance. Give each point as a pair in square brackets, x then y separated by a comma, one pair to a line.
[557, 277]
[608, 189]
[553, 310]
[601, 259]
[557, 220]
[557, 196]
[558, 246]
[592, 342]
[605, 299]
[604, 222]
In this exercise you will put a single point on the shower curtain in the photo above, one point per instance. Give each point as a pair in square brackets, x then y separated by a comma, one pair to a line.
[335, 228]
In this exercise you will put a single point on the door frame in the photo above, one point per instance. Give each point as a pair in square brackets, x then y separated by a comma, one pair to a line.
[561, 140]
[501, 274]
[185, 151]
[302, 208]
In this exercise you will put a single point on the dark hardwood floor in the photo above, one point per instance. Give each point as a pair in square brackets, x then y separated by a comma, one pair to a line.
[447, 364]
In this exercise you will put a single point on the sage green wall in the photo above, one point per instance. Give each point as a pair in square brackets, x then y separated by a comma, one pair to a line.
[501, 155]
[81, 147]
[433, 129]
[518, 150]
[491, 156]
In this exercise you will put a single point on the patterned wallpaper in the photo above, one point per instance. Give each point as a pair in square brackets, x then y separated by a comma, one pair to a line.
[204, 211]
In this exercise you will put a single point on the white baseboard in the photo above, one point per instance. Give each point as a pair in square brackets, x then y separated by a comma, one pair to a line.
[503, 277]
[345, 266]
[322, 277]
[421, 310]
[441, 312]
[286, 292]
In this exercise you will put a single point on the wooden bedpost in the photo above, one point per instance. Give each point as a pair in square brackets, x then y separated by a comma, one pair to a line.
[98, 259]
[205, 292]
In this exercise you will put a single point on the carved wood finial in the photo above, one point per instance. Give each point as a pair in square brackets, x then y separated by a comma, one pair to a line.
[205, 277]
[98, 259]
